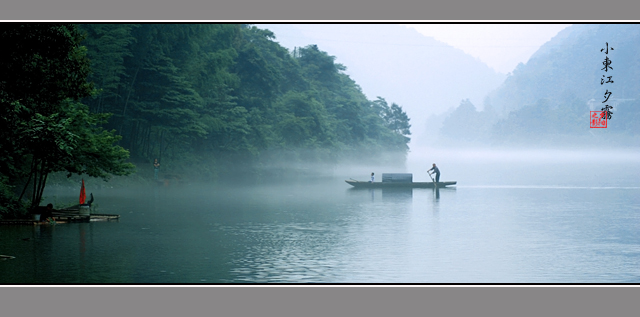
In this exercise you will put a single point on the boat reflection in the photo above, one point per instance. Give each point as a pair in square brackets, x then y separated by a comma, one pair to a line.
[435, 192]
[397, 194]
[386, 194]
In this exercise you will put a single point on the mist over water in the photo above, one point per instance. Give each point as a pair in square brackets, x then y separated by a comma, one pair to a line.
[516, 216]
[530, 167]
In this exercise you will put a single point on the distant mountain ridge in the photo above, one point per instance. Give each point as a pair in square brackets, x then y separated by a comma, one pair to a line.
[548, 100]
[419, 73]
[569, 67]
[563, 39]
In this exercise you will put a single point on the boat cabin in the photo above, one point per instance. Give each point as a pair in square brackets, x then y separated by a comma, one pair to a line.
[397, 178]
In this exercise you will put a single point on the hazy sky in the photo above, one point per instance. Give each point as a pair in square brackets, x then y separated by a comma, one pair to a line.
[501, 46]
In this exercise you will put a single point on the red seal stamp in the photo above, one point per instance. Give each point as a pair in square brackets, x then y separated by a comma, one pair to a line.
[598, 119]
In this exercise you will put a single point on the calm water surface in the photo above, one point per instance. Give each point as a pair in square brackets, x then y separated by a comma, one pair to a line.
[506, 222]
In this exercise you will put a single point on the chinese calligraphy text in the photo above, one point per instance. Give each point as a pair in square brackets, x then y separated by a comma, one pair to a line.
[598, 119]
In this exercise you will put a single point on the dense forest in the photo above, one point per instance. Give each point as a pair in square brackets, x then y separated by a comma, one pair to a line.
[548, 100]
[227, 99]
[208, 101]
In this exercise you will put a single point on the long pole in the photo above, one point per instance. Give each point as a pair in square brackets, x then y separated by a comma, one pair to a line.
[435, 185]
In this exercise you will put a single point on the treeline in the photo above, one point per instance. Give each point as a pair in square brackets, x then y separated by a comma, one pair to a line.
[548, 100]
[221, 99]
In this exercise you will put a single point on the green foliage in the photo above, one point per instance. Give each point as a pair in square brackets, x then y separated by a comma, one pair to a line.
[48, 130]
[109, 44]
[303, 122]
[94, 152]
[10, 207]
[219, 99]
[395, 120]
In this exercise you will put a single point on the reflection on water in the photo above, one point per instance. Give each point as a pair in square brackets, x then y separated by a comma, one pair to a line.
[397, 194]
[324, 231]
[383, 194]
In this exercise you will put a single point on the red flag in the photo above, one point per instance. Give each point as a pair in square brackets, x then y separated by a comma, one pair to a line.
[83, 196]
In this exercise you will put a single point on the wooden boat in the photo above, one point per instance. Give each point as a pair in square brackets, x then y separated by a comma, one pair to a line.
[361, 184]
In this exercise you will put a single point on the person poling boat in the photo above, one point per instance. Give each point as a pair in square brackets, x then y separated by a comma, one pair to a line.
[399, 180]
[435, 185]
[435, 171]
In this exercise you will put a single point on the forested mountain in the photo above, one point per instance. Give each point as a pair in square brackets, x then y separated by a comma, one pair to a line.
[226, 98]
[422, 74]
[206, 100]
[547, 100]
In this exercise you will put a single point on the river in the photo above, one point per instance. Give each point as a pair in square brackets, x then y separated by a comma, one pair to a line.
[529, 218]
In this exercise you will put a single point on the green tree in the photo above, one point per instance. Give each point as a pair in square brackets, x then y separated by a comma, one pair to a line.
[108, 47]
[41, 80]
[394, 119]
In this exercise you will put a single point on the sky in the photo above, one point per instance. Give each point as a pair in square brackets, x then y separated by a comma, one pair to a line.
[500, 46]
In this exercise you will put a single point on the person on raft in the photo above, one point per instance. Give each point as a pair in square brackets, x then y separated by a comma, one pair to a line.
[88, 203]
[435, 171]
[372, 178]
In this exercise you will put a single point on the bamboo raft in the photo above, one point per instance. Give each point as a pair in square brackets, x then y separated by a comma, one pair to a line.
[62, 218]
